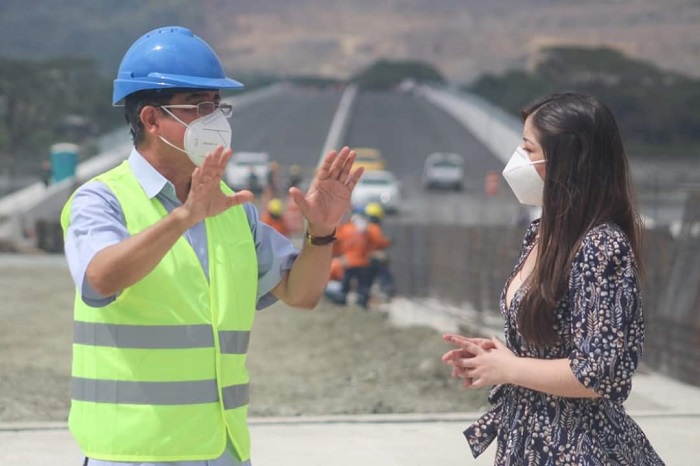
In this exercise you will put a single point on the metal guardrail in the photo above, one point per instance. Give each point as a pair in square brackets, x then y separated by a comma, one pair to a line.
[495, 129]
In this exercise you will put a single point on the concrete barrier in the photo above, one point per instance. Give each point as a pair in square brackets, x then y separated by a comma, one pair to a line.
[495, 129]
[336, 133]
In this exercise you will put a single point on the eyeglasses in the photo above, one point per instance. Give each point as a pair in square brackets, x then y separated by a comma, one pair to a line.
[203, 108]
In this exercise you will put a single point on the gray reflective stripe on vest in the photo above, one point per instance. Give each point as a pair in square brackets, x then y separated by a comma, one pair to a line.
[145, 393]
[236, 396]
[234, 341]
[143, 336]
[158, 393]
[158, 336]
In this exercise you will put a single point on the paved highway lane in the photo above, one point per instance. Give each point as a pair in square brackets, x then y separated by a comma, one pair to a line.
[406, 128]
[291, 126]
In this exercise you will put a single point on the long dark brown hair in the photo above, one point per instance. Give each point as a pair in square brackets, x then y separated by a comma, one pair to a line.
[587, 183]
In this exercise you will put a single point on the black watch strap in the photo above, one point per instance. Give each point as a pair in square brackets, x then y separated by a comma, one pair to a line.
[320, 240]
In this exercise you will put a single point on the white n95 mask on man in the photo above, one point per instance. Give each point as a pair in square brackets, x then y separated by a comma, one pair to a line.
[523, 179]
[203, 135]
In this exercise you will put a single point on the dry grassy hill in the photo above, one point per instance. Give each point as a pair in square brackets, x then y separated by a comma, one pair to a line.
[464, 38]
[338, 38]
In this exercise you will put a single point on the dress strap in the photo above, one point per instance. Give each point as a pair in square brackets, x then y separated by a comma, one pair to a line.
[485, 429]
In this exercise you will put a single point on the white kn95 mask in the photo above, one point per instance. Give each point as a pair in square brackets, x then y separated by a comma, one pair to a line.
[523, 179]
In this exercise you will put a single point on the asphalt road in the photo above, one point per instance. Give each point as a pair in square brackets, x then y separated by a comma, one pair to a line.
[407, 128]
[292, 128]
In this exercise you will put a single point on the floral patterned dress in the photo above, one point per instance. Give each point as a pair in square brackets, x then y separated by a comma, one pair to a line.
[601, 332]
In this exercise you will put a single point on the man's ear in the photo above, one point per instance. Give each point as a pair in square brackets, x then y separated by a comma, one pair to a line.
[149, 118]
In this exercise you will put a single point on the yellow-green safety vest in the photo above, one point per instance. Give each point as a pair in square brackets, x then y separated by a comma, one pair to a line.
[159, 374]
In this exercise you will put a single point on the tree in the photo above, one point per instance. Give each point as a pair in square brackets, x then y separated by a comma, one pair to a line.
[385, 74]
[653, 107]
[36, 98]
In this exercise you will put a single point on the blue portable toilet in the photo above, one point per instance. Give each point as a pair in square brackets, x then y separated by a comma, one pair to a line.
[64, 160]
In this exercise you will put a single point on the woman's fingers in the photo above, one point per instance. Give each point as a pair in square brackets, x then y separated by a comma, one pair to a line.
[456, 353]
[452, 337]
[466, 363]
[472, 347]
[459, 340]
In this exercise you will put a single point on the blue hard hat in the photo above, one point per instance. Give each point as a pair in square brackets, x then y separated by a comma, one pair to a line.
[358, 209]
[170, 57]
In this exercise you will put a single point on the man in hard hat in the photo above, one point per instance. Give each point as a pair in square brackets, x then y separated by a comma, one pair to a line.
[170, 266]
[272, 179]
[295, 177]
[353, 248]
[274, 216]
[379, 259]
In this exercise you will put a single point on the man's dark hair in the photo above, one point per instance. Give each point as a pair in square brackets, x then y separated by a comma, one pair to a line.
[134, 103]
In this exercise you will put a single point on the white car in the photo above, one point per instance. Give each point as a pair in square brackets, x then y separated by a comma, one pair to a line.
[248, 170]
[377, 186]
[443, 170]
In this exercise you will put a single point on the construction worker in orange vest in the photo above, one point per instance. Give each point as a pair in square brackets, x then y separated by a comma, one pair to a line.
[358, 240]
[273, 216]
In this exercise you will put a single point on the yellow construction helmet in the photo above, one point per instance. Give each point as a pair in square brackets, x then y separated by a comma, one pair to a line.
[373, 209]
[275, 207]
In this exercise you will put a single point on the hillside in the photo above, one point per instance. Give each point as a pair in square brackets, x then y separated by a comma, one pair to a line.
[464, 38]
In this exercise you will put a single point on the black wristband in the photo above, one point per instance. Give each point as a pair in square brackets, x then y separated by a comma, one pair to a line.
[320, 240]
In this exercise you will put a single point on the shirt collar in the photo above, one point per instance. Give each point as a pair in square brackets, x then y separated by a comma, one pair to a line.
[151, 181]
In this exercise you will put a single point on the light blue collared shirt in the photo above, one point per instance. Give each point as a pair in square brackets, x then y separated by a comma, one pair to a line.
[97, 221]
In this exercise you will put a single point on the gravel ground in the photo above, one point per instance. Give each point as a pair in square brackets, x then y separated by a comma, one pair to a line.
[330, 360]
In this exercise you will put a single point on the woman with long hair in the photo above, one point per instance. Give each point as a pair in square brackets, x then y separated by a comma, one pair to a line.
[574, 328]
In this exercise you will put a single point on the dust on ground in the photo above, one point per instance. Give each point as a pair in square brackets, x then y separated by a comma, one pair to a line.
[330, 360]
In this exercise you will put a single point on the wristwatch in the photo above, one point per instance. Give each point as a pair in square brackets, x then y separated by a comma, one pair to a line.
[320, 240]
